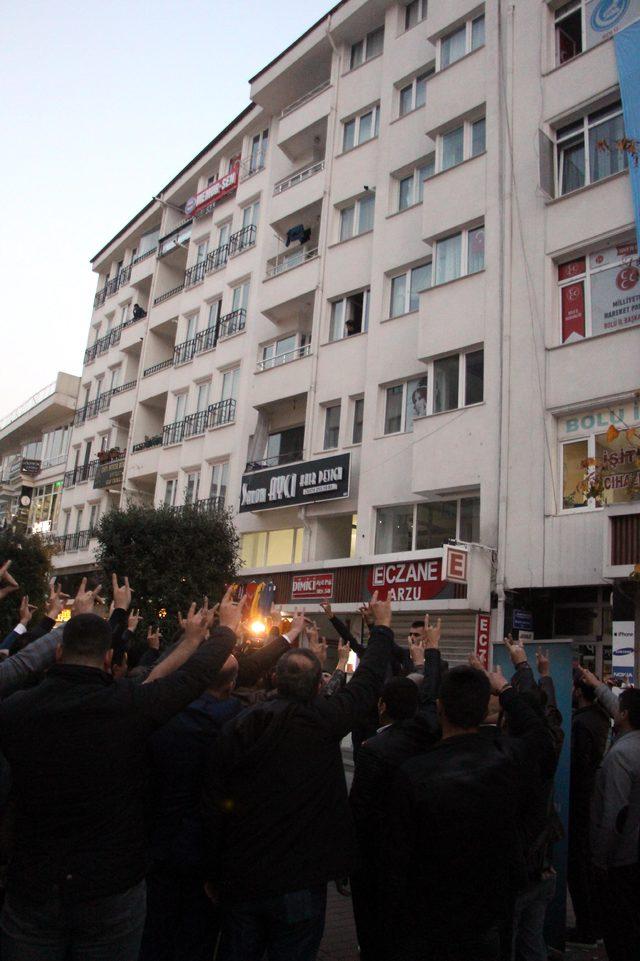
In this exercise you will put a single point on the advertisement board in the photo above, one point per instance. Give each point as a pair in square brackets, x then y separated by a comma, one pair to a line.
[312, 587]
[407, 580]
[213, 193]
[605, 17]
[290, 484]
[109, 474]
[483, 637]
[623, 650]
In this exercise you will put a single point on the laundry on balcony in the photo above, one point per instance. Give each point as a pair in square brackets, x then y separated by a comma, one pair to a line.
[299, 233]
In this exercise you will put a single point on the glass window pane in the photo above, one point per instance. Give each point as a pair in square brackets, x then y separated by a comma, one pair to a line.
[375, 43]
[470, 519]
[280, 547]
[406, 100]
[474, 386]
[336, 329]
[394, 529]
[406, 193]
[393, 412]
[331, 427]
[446, 379]
[448, 258]
[365, 131]
[571, 164]
[420, 280]
[252, 548]
[297, 554]
[478, 137]
[349, 138]
[416, 402]
[452, 148]
[573, 473]
[475, 260]
[606, 159]
[435, 524]
[358, 420]
[366, 208]
[398, 295]
[453, 47]
[477, 33]
[411, 14]
[357, 54]
[421, 91]
[347, 216]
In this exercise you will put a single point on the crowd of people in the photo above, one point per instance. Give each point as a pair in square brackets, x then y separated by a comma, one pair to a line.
[188, 802]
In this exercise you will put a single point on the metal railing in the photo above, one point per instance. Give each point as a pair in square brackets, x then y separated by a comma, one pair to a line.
[286, 458]
[169, 293]
[205, 505]
[217, 258]
[279, 359]
[242, 239]
[98, 405]
[195, 274]
[122, 277]
[54, 461]
[305, 98]
[184, 352]
[147, 444]
[33, 401]
[175, 237]
[253, 164]
[298, 177]
[74, 542]
[224, 412]
[281, 263]
[144, 256]
[232, 323]
[90, 354]
[156, 367]
[80, 474]
[124, 388]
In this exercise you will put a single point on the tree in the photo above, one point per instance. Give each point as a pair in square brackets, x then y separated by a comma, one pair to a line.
[171, 557]
[30, 565]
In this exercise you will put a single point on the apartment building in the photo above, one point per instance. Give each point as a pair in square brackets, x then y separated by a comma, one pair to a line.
[375, 315]
[34, 445]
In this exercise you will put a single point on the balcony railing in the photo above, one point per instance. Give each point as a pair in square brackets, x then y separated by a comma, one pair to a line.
[110, 339]
[195, 274]
[253, 164]
[298, 177]
[169, 293]
[289, 457]
[224, 412]
[74, 542]
[242, 239]
[144, 256]
[184, 352]
[80, 474]
[54, 461]
[113, 285]
[281, 263]
[147, 444]
[206, 505]
[156, 367]
[279, 359]
[306, 98]
[90, 354]
[98, 405]
[124, 388]
[180, 234]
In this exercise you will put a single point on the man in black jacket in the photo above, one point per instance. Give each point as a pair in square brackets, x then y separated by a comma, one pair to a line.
[76, 745]
[454, 855]
[276, 805]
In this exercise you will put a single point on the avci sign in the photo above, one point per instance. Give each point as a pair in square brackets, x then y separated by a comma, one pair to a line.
[305, 483]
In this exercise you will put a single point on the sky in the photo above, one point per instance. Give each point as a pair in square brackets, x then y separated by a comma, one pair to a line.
[102, 102]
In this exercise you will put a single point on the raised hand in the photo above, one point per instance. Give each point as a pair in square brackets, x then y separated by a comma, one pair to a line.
[134, 619]
[416, 651]
[475, 662]
[231, 612]
[318, 646]
[153, 638]
[327, 609]
[588, 677]
[367, 615]
[344, 650]
[85, 601]
[57, 600]
[516, 651]
[432, 635]
[542, 658]
[26, 610]
[195, 623]
[381, 611]
[121, 595]
[299, 622]
[497, 680]
[9, 583]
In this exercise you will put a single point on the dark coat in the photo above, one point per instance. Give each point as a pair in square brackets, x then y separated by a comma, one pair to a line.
[77, 749]
[275, 801]
[590, 728]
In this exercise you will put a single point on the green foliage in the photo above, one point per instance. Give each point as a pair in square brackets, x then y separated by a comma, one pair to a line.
[170, 557]
[31, 563]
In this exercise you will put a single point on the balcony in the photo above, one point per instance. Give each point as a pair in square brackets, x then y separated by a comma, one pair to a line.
[184, 352]
[167, 294]
[123, 388]
[195, 274]
[285, 358]
[98, 406]
[206, 505]
[144, 256]
[294, 122]
[158, 367]
[112, 286]
[290, 457]
[298, 177]
[310, 95]
[178, 237]
[232, 323]
[252, 165]
[216, 415]
[283, 262]
[80, 474]
[74, 542]
[147, 444]
[242, 240]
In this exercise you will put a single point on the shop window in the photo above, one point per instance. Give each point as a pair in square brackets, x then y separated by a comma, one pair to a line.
[427, 526]
[272, 548]
[601, 469]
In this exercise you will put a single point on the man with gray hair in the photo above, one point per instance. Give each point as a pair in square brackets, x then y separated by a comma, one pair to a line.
[276, 808]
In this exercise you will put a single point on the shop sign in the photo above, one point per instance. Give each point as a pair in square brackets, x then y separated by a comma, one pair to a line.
[306, 483]
[615, 298]
[606, 17]
[41, 527]
[522, 620]
[213, 193]
[623, 650]
[312, 587]
[456, 563]
[407, 581]
[109, 474]
[599, 421]
[483, 636]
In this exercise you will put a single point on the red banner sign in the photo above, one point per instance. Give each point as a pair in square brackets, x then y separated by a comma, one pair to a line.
[312, 587]
[214, 192]
[407, 581]
[573, 314]
[483, 636]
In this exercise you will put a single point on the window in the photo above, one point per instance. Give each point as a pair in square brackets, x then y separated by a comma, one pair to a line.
[427, 526]
[461, 143]
[586, 150]
[224, 233]
[215, 310]
[230, 380]
[449, 383]
[407, 287]
[461, 41]
[116, 374]
[192, 488]
[358, 217]
[202, 251]
[192, 326]
[414, 94]
[219, 481]
[181, 406]
[411, 187]
[285, 446]
[358, 420]
[259, 145]
[459, 254]
[361, 128]
[251, 214]
[104, 441]
[170, 492]
[599, 293]
[331, 427]
[569, 31]
[202, 396]
[349, 315]
[414, 13]
[598, 470]
[240, 297]
[366, 49]
[271, 548]
[284, 350]
[148, 242]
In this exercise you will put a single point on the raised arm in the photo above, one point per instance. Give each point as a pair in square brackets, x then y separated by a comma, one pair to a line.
[32, 659]
[604, 694]
[343, 631]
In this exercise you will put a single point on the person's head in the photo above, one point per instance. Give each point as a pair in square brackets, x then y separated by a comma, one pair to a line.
[87, 640]
[464, 700]
[225, 680]
[398, 700]
[416, 631]
[629, 710]
[583, 694]
[298, 675]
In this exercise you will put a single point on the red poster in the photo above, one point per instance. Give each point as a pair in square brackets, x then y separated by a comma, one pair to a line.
[214, 192]
[573, 313]
[407, 581]
[312, 587]
[571, 269]
[483, 636]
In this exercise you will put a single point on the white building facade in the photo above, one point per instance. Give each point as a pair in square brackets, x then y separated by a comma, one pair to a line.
[369, 318]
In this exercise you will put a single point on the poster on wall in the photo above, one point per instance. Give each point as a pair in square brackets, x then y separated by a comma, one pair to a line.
[605, 17]
[623, 650]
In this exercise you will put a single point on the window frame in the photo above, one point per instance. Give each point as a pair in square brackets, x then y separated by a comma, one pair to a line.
[592, 452]
[468, 41]
[333, 305]
[357, 403]
[330, 428]
[356, 120]
[467, 126]
[414, 524]
[423, 11]
[355, 206]
[584, 278]
[559, 16]
[412, 85]
[587, 123]
[297, 546]
[407, 273]
[364, 43]
[222, 482]
[418, 182]
[463, 233]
